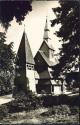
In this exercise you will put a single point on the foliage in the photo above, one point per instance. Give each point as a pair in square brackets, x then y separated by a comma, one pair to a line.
[3, 111]
[12, 8]
[58, 110]
[68, 16]
[72, 78]
[6, 54]
[48, 101]
[20, 84]
[63, 114]
[7, 57]
[30, 102]
[74, 110]
[24, 102]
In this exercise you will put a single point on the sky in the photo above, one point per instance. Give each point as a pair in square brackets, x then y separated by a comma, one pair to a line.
[34, 26]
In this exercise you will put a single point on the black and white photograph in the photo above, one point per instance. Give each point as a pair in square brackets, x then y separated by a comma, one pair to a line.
[39, 62]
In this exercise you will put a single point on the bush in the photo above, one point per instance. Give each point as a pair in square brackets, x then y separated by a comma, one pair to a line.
[58, 110]
[24, 102]
[3, 111]
[74, 110]
[49, 100]
[5, 89]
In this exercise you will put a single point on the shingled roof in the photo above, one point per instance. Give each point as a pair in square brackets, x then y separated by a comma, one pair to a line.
[46, 38]
[49, 63]
[24, 54]
[29, 56]
[48, 44]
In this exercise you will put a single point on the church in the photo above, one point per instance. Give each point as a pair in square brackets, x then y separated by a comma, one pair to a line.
[44, 62]
[24, 68]
[35, 74]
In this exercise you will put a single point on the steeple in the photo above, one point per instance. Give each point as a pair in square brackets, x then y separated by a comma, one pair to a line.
[46, 31]
[29, 56]
[24, 54]
[24, 68]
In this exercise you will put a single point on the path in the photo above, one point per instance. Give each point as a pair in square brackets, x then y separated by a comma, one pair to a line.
[5, 99]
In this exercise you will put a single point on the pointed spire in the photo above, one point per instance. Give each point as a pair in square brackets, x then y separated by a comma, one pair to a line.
[46, 25]
[29, 56]
[46, 31]
[24, 52]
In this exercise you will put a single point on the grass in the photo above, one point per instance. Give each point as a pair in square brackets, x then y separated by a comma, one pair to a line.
[31, 110]
[53, 114]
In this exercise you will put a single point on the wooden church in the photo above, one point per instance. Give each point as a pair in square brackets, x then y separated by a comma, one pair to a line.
[27, 67]
[44, 61]
[24, 69]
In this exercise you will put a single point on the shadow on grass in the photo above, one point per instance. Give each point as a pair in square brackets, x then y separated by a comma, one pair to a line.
[50, 124]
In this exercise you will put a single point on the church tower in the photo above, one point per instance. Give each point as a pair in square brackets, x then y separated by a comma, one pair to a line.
[24, 70]
[47, 45]
[46, 31]
[44, 62]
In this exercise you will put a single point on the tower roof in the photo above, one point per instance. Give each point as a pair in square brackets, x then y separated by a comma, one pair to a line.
[46, 31]
[48, 62]
[24, 54]
[48, 45]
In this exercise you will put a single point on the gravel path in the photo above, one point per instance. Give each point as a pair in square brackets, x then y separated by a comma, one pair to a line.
[5, 99]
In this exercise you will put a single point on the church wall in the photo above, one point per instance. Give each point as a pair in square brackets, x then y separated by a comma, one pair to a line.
[57, 90]
[43, 88]
[40, 65]
[31, 78]
[45, 74]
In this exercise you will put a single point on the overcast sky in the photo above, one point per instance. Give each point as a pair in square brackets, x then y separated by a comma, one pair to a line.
[34, 26]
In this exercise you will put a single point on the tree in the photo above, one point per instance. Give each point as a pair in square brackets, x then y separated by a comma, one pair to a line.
[68, 16]
[12, 8]
[7, 57]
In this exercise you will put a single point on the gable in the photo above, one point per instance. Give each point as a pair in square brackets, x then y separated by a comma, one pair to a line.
[40, 64]
[42, 60]
[44, 47]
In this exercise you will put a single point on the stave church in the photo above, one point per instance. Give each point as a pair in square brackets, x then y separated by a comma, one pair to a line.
[35, 74]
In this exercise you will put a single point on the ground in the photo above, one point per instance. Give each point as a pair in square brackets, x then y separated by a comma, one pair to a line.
[34, 117]
[38, 116]
[5, 99]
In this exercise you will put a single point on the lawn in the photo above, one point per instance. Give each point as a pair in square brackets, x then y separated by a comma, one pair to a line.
[33, 110]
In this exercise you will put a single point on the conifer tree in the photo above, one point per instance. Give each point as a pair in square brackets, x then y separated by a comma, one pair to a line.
[68, 16]
[7, 57]
[13, 8]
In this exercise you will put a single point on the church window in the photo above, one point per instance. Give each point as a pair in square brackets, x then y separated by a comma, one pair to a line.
[30, 67]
